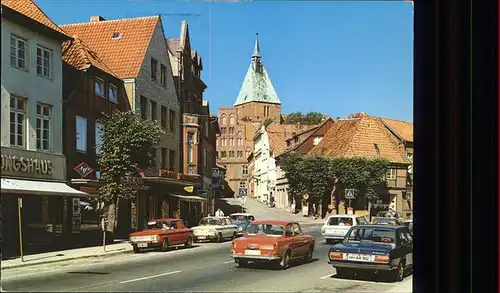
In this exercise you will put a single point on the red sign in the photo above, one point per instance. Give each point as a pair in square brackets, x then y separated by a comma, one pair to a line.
[176, 176]
[89, 190]
[83, 169]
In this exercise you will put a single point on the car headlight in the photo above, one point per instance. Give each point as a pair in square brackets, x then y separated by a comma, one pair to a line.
[132, 239]
[323, 230]
[240, 229]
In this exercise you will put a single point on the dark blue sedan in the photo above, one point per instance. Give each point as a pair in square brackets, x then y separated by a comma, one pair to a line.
[374, 248]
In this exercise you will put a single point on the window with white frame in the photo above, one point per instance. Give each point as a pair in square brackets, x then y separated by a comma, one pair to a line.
[43, 117]
[113, 93]
[43, 61]
[244, 170]
[18, 52]
[81, 133]
[391, 174]
[99, 132]
[17, 120]
[99, 86]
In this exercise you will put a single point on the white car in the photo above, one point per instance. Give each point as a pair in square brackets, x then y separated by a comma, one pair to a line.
[215, 228]
[337, 226]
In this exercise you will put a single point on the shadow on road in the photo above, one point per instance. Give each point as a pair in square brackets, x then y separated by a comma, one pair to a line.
[264, 266]
[227, 208]
[369, 277]
[89, 273]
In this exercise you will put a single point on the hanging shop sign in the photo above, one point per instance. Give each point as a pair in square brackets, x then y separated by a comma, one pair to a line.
[26, 165]
[83, 169]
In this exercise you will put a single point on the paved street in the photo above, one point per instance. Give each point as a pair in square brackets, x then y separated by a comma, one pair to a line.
[206, 267]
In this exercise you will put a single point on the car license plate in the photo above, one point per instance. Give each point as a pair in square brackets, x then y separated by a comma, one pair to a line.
[252, 252]
[358, 257]
[202, 237]
[142, 245]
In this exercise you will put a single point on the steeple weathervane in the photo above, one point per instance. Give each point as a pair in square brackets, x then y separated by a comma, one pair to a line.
[256, 57]
[256, 51]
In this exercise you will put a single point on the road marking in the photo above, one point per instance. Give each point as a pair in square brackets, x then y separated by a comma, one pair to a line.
[229, 261]
[327, 276]
[150, 277]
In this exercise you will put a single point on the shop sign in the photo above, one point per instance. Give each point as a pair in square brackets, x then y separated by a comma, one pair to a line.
[136, 181]
[89, 190]
[83, 169]
[176, 176]
[26, 165]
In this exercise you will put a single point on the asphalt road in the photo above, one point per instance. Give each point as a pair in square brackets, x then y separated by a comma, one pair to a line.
[205, 267]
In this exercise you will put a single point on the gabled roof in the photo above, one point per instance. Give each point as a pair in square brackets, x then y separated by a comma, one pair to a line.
[29, 9]
[124, 54]
[80, 56]
[257, 86]
[401, 128]
[305, 135]
[361, 136]
[278, 133]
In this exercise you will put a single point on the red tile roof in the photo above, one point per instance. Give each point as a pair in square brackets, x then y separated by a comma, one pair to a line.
[123, 55]
[366, 137]
[80, 56]
[402, 128]
[29, 9]
[278, 133]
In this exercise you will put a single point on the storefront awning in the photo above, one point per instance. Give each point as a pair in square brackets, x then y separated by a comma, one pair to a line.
[189, 197]
[37, 187]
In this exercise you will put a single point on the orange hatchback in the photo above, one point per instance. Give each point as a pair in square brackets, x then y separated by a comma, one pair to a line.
[273, 241]
[162, 234]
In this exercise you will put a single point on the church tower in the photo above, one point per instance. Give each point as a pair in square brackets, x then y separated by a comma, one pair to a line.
[257, 100]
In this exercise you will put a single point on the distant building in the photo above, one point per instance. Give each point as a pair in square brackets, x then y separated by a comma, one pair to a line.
[361, 135]
[256, 102]
[270, 142]
[301, 142]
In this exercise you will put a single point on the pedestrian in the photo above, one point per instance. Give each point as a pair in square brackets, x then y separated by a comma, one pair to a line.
[314, 211]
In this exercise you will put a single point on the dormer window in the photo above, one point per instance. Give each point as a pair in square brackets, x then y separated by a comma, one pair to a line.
[116, 35]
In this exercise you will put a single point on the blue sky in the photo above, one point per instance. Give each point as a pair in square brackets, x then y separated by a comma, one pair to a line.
[333, 57]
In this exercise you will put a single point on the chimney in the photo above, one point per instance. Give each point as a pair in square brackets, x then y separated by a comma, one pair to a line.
[96, 18]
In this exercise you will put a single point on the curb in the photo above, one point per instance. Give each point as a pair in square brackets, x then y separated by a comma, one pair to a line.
[27, 264]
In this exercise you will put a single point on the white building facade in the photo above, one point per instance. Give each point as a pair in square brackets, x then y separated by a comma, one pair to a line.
[264, 167]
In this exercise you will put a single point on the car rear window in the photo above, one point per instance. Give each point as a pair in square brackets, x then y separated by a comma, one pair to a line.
[372, 234]
[340, 221]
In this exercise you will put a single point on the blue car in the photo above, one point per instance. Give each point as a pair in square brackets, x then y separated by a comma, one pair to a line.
[242, 226]
[374, 248]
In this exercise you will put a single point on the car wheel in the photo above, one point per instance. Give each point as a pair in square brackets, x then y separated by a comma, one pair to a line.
[285, 261]
[136, 249]
[399, 273]
[242, 263]
[189, 243]
[219, 237]
[164, 245]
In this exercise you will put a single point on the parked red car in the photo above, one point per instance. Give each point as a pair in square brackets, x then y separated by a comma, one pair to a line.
[162, 234]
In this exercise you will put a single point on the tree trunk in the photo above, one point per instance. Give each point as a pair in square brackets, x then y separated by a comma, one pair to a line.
[112, 217]
[334, 188]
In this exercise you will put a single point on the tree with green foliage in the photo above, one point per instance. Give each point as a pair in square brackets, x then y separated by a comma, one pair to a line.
[310, 118]
[268, 122]
[319, 176]
[127, 142]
